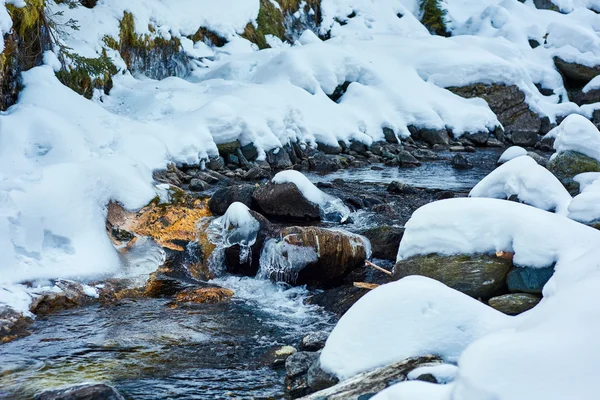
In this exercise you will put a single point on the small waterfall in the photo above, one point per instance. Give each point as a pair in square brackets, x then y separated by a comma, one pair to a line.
[281, 261]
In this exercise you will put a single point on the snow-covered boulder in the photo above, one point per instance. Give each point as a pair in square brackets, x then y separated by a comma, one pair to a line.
[531, 183]
[411, 317]
[510, 153]
[291, 195]
[585, 207]
[312, 256]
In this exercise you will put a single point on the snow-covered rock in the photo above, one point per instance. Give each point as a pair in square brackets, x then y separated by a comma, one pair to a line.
[510, 153]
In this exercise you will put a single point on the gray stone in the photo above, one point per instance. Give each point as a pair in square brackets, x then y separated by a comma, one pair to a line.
[431, 136]
[576, 72]
[514, 303]
[524, 138]
[479, 276]
[256, 173]
[215, 163]
[299, 363]
[86, 391]
[223, 198]
[461, 162]
[478, 138]
[538, 159]
[250, 152]
[318, 379]
[405, 159]
[424, 154]
[399, 188]
[329, 149]
[198, 185]
[279, 158]
[385, 240]
[390, 135]
[314, 341]
[570, 163]
[528, 280]
[285, 200]
[324, 163]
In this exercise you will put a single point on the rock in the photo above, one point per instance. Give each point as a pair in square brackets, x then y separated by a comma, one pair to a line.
[430, 136]
[507, 102]
[364, 386]
[168, 280]
[223, 198]
[546, 144]
[284, 200]
[479, 276]
[172, 176]
[204, 295]
[71, 295]
[329, 149]
[427, 378]
[538, 159]
[198, 185]
[313, 256]
[385, 240]
[296, 373]
[528, 280]
[277, 356]
[389, 135]
[314, 341]
[576, 72]
[324, 163]
[524, 138]
[86, 391]
[228, 148]
[493, 142]
[13, 324]
[338, 300]
[545, 5]
[279, 159]
[405, 159]
[399, 187]
[461, 162]
[570, 163]
[215, 163]
[478, 138]
[424, 154]
[514, 303]
[358, 147]
[249, 151]
[318, 379]
[457, 149]
[256, 173]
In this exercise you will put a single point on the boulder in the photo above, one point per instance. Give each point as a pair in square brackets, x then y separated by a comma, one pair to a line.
[514, 303]
[204, 295]
[461, 162]
[279, 158]
[249, 151]
[365, 385]
[319, 379]
[313, 256]
[430, 136]
[198, 185]
[575, 71]
[424, 154]
[13, 324]
[399, 188]
[570, 163]
[215, 163]
[172, 176]
[389, 135]
[86, 391]
[385, 240]
[286, 201]
[528, 280]
[479, 275]
[478, 138]
[507, 102]
[296, 371]
[524, 138]
[538, 159]
[228, 148]
[256, 173]
[223, 198]
[329, 149]
[314, 341]
[405, 159]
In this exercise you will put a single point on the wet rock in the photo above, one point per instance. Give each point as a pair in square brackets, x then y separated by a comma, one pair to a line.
[204, 295]
[338, 300]
[430, 136]
[249, 151]
[198, 185]
[399, 188]
[223, 198]
[576, 72]
[367, 384]
[524, 138]
[312, 256]
[538, 159]
[478, 138]
[169, 280]
[215, 163]
[424, 154]
[457, 149]
[86, 391]
[528, 280]
[507, 102]
[405, 159]
[279, 159]
[13, 324]
[389, 135]
[71, 294]
[329, 149]
[256, 173]
[514, 303]
[570, 163]
[172, 176]
[277, 356]
[314, 341]
[385, 240]
[296, 371]
[284, 200]
[479, 276]
[324, 163]
[318, 379]
[461, 162]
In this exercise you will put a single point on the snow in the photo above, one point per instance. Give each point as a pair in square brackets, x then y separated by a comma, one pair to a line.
[510, 153]
[407, 318]
[414, 390]
[331, 207]
[530, 182]
[579, 134]
[443, 373]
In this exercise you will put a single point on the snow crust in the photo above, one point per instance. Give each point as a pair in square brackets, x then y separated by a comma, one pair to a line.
[407, 318]
[331, 207]
[530, 182]
[510, 153]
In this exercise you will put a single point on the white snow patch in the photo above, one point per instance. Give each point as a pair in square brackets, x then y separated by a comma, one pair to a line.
[510, 153]
[577, 133]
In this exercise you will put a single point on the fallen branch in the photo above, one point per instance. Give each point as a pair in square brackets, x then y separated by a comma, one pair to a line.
[377, 267]
[365, 285]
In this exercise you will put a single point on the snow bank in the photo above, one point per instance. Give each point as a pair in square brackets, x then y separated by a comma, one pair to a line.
[530, 182]
[577, 133]
[407, 318]
[331, 207]
[510, 153]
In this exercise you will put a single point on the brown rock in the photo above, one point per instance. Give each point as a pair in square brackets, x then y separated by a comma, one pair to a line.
[13, 324]
[210, 295]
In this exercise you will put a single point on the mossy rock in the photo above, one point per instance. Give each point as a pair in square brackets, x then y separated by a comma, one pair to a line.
[514, 303]
[566, 165]
[479, 275]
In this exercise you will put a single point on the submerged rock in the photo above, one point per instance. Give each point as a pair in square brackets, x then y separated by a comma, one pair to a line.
[86, 391]
[479, 276]
[514, 303]
[567, 164]
[312, 256]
